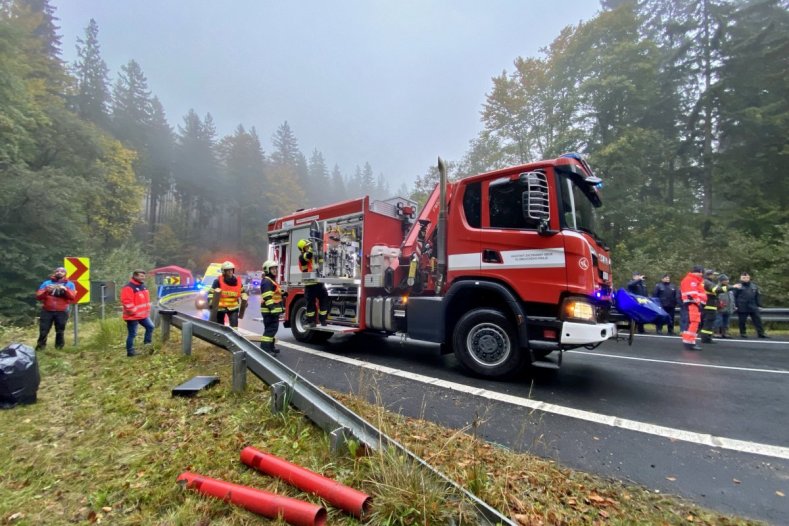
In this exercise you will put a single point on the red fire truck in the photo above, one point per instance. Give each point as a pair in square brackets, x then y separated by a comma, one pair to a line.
[502, 268]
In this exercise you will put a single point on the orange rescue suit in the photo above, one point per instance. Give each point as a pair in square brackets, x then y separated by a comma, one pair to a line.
[693, 296]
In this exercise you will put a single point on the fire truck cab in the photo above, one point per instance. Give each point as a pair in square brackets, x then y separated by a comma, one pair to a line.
[501, 268]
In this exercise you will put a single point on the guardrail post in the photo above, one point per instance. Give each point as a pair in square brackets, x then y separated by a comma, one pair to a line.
[280, 392]
[239, 371]
[186, 337]
[338, 439]
[166, 324]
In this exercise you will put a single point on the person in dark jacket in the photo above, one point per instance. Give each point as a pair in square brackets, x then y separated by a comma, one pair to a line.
[666, 293]
[725, 306]
[56, 294]
[710, 310]
[271, 306]
[639, 287]
[747, 302]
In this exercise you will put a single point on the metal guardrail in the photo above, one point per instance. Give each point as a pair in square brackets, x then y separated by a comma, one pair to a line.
[288, 387]
[771, 314]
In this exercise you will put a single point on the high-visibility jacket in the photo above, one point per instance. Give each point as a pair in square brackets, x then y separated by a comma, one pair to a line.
[230, 296]
[307, 264]
[135, 300]
[270, 297]
[692, 289]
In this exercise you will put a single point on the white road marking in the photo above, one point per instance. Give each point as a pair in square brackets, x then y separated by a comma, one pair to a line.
[588, 416]
[752, 339]
[654, 360]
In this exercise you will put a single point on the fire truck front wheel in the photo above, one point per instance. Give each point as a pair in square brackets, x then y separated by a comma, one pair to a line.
[485, 342]
[298, 322]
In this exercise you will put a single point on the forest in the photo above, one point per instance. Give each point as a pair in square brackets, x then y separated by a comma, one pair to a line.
[681, 107]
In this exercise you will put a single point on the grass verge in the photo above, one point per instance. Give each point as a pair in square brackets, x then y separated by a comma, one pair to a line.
[106, 441]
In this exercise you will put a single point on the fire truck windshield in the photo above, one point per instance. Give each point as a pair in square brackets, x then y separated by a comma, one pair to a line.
[578, 209]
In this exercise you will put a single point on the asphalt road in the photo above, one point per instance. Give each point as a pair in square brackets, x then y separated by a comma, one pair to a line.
[710, 426]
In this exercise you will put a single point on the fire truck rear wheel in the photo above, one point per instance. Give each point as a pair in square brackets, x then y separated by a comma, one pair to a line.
[298, 320]
[485, 342]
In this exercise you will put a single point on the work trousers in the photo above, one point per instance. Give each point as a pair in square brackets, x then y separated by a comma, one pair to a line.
[722, 322]
[756, 318]
[708, 322]
[270, 326]
[48, 318]
[131, 333]
[317, 291]
[683, 317]
[232, 316]
[694, 318]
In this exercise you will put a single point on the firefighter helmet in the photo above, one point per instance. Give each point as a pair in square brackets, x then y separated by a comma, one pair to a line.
[302, 244]
[228, 265]
[268, 265]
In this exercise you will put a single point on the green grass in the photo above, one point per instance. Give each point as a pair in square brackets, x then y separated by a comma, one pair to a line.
[106, 441]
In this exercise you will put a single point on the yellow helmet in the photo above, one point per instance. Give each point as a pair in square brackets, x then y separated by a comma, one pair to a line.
[268, 265]
[228, 265]
[302, 244]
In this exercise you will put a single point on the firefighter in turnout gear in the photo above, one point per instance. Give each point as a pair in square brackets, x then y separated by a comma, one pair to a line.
[271, 306]
[710, 311]
[230, 296]
[308, 262]
[694, 298]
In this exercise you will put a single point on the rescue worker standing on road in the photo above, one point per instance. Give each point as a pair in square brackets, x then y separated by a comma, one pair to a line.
[270, 306]
[312, 289]
[56, 294]
[710, 311]
[232, 295]
[693, 298]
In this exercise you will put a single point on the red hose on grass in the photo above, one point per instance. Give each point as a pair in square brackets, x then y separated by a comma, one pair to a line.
[338, 495]
[293, 511]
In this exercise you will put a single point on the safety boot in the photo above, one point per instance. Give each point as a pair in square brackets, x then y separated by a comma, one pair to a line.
[692, 347]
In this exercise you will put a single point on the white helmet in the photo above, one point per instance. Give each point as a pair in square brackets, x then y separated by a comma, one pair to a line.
[228, 265]
[268, 265]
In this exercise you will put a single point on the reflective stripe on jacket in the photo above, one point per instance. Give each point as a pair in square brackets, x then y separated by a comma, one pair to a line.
[135, 300]
[306, 264]
[270, 297]
[692, 289]
[229, 295]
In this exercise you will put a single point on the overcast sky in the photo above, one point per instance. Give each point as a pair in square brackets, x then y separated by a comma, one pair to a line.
[395, 83]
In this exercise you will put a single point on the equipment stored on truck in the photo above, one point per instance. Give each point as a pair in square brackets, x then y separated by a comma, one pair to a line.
[502, 268]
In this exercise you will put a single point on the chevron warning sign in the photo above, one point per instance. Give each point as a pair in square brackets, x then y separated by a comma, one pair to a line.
[78, 272]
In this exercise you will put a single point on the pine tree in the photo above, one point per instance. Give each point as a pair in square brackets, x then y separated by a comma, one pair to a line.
[93, 96]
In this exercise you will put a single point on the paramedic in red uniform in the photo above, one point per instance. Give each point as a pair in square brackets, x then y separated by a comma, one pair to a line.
[136, 307]
[694, 298]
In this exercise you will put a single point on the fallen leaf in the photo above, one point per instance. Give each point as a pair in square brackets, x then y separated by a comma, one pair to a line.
[735, 481]
[203, 410]
[16, 516]
[780, 493]
[106, 509]
[672, 479]
[690, 518]
[603, 513]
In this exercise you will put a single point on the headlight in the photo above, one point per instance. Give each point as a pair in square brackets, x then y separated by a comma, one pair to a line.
[578, 309]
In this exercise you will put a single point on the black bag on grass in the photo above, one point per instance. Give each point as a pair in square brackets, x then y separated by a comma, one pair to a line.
[19, 376]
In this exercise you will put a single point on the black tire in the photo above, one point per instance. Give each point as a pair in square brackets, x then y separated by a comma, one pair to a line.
[485, 342]
[298, 319]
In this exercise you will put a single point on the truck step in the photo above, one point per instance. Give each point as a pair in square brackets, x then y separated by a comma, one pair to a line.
[337, 329]
[546, 363]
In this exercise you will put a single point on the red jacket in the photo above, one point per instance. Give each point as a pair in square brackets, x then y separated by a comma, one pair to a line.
[692, 289]
[135, 300]
[62, 300]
